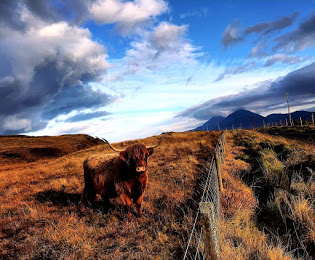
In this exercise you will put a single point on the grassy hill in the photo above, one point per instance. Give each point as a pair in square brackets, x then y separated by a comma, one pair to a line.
[20, 149]
[264, 213]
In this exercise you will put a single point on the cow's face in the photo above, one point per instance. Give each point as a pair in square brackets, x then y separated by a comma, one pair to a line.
[136, 157]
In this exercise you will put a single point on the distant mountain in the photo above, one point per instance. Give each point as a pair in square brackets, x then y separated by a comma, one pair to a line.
[246, 119]
[242, 119]
[211, 124]
[305, 115]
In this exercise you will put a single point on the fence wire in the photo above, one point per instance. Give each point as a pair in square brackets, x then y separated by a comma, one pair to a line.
[195, 245]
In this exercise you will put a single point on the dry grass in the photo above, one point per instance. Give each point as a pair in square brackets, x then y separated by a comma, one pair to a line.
[240, 238]
[280, 174]
[40, 216]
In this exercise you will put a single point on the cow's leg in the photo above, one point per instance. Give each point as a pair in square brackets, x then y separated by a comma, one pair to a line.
[127, 202]
[89, 194]
[138, 202]
[105, 202]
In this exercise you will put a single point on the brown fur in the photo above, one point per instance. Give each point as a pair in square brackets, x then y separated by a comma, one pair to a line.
[112, 176]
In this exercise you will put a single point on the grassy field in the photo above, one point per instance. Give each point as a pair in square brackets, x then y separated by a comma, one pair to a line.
[41, 218]
[267, 207]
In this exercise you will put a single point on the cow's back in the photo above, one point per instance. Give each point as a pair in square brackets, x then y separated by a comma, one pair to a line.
[102, 171]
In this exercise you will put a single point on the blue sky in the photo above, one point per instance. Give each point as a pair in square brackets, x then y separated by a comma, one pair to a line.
[130, 69]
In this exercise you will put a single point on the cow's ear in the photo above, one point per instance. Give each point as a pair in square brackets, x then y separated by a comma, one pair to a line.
[150, 151]
[123, 156]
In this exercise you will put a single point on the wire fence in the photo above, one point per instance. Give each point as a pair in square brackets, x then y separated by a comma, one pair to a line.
[197, 245]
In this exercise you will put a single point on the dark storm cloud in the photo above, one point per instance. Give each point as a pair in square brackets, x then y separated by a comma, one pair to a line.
[302, 38]
[45, 66]
[268, 95]
[86, 116]
[75, 98]
[236, 70]
[266, 27]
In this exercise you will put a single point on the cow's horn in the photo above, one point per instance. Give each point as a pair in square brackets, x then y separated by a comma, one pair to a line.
[106, 142]
[161, 139]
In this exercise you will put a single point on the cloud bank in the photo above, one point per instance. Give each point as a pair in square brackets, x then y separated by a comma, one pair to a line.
[263, 98]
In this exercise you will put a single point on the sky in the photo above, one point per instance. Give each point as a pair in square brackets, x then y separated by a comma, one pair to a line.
[125, 70]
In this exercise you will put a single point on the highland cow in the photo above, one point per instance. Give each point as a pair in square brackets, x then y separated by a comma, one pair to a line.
[124, 177]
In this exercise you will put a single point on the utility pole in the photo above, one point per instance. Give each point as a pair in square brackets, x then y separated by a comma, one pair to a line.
[219, 127]
[290, 119]
[313, 118]
[301, 121]
[264, 124]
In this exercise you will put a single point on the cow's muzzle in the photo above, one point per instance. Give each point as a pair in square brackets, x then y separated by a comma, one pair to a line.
[140, 169]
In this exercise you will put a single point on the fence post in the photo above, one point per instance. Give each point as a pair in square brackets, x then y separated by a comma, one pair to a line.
[218, 166]
[210, 231]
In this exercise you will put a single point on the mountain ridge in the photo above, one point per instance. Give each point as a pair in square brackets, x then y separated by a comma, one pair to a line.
[246, 119]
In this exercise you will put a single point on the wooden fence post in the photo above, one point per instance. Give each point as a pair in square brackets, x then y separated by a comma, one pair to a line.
[218, 166]
[210, 230]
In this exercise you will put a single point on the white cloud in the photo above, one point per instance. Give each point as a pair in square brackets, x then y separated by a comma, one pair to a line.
[167, 35]
[16, 123]
[165, 45]
[126, 14]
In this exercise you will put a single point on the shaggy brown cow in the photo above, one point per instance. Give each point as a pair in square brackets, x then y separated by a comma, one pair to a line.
[124, 176]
